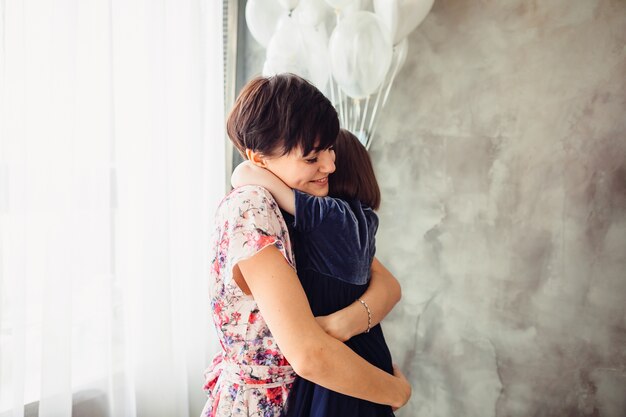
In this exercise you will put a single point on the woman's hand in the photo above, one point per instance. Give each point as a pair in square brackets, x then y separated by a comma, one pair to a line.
[405, 386]
[334, 326]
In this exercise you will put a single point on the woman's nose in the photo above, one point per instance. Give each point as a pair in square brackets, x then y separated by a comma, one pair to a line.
[327, 162]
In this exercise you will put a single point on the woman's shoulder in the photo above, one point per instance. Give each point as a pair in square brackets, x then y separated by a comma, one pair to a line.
[250, 206]
[249, 192]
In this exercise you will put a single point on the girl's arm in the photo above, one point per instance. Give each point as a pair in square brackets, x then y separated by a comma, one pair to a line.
[314, 355]
[247, 173]
[382, 294]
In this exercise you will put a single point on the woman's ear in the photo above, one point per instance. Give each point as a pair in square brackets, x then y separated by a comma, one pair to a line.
[256, 158]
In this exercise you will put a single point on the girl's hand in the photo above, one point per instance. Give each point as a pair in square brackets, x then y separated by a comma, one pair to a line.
[332, 325]
[245, 173]
[406, 386]
[345, 323]
[382, 294]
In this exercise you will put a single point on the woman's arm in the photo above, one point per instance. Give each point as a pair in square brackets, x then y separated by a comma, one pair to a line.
[314, 355]
[247, 173]
[382, 294]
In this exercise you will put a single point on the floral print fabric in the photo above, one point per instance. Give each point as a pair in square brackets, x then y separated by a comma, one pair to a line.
[249, 376]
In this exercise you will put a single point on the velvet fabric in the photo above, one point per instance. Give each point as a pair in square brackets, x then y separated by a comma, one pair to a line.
[334, 245]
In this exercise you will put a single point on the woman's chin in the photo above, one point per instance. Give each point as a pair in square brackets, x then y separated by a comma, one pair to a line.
[317, 190]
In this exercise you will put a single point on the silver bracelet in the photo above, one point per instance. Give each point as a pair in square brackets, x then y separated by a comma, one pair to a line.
[369, 315]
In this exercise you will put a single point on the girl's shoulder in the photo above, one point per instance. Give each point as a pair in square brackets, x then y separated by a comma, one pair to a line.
[331, 214]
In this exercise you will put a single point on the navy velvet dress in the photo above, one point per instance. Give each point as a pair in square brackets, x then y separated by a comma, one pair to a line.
[334, 246]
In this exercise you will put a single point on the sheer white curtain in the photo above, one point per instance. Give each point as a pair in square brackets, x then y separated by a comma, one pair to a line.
[111, 164]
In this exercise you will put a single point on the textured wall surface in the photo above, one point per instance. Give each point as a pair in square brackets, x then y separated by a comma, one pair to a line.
[502, 160]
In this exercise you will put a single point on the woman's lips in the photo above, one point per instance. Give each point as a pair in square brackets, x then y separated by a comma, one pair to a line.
[321, 181]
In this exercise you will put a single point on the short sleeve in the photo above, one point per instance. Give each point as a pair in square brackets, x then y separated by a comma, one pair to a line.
[338, 236]
[312, 212]
[251, 222]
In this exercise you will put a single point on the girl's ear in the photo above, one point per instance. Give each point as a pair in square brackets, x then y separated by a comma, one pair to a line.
[256, 158]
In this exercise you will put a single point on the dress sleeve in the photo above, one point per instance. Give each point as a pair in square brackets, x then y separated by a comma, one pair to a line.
[340, 235]
[253, 222]
[312, 212]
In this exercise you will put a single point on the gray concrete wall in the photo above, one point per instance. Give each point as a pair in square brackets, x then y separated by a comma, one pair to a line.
[502, 161]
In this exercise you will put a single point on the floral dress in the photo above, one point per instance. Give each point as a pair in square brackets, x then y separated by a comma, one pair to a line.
[249, 376]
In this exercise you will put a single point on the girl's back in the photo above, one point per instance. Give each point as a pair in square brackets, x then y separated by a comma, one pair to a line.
[334, 244]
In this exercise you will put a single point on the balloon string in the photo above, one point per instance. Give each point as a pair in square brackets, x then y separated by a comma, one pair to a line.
[352, 115]
[359, 118]
[356, 103]
[364, 116]
[338, 105]
[393, 77]
[374, 112]
[346, 109]
[343, 107]
[332, 89]
[391, 80]
[341, 112]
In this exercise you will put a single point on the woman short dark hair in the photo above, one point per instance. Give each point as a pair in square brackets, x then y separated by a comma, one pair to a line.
[274, 115]
[354, 176]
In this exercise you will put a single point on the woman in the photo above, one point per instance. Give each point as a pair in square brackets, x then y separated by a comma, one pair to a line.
[287, 126]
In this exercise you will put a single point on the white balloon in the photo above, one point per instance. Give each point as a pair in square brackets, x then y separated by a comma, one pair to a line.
[300, 49]
[360, 53]
[387, 10]
[289, 4]
[338, 4]
[262, 17]
[338, 13]
[348, 9]
[312, 12]
[330, 20]
[401, 17]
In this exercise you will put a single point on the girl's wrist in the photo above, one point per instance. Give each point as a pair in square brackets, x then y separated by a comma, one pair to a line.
[356, 318]
[369, 314]
[350, 321]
